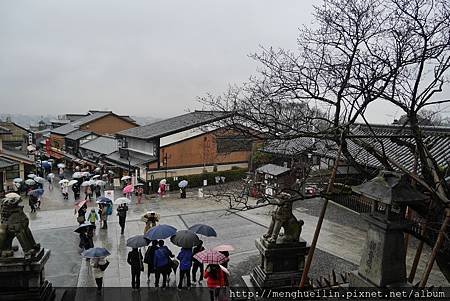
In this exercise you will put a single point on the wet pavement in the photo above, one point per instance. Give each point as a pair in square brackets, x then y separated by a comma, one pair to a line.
[340, 243]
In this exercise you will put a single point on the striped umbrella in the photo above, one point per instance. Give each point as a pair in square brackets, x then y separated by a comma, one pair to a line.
[210, 257]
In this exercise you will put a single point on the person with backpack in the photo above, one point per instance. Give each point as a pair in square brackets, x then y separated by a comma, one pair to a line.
[93, 217]
[99, 266]
[162, 263]
[122, 213]
[137, 266]
[149, 257]
[197, 265]
[215, 279]
[185, 258]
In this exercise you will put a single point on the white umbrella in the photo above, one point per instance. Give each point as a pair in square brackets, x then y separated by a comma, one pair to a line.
[77, 175]
[86, 174]
[85, 183]
[17, 180]
[39, 180]
[97, 169]
[163, 181]
[31, 148]
[122, 200]
[30, 182]
[71, 182]
[183, 184]
[96, 177]
[61, 165]
[100, 183]
[12, 195]
[124, 178]
[63, 181]
[31, 176]
[51, 175]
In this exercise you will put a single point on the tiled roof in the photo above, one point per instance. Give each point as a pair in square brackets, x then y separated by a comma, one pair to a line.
[136, 159]
[272, 169]
[75, 135]
[101, 145]
[4, 130]
[73, 126]
[173, 125]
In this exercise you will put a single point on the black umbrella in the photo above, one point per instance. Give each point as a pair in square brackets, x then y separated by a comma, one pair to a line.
[83, 227]
[137, 241]
[185, 239]
[203, 230]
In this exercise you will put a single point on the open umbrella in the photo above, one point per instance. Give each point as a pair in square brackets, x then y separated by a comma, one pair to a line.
[36, 192]
[160, 231]
[103, 200]
[31, 148]
[51, 175]
[17, 180]
[224, 248]
[77, 175]
[163, 181]
[122, 200]
[137, 241]
[128, 189]
[185, 239]
[63, 181]
[210, 257]
[82, 227]
[183, 184]
[39, 180]
[86, 174]
[71, 182]
[139, 184]
[31, 176]
[100, 183]
[12, 195]
[80, 204]
[61, 165]
[95, 253]
[86, 183]
[46, 164]
[30, 182]
[96, 177]
[124, 178]
[97, 169]
[203, 230]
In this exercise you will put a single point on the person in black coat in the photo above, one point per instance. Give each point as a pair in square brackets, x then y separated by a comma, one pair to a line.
[122, 213]
[149, 257]
[197, 265]
[137, 266]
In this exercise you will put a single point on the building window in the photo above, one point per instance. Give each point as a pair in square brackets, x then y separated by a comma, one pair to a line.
[12, 172]
[227, 145]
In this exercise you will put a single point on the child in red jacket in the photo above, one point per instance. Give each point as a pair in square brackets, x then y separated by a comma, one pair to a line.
[215, 278]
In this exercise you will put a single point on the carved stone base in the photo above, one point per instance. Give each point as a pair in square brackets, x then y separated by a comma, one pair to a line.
[281, 264]
[24, 278]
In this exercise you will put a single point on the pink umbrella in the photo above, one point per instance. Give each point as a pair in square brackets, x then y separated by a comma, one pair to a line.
[224, 248]
[128, 189]
[211, 257]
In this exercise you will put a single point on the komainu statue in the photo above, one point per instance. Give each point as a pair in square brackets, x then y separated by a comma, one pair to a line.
[14, 223]
[283, 217]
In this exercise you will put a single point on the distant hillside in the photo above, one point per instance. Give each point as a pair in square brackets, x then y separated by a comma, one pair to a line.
[28, 120]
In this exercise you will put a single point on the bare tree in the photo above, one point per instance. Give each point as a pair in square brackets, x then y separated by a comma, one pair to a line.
[358, 52]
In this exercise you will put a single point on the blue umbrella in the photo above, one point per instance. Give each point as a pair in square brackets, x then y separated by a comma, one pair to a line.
[95, 253]
[160, 232]
[36, 192]
[46, 164]
[84, 226]
[137, 241]
[203, 230]
[103, 200]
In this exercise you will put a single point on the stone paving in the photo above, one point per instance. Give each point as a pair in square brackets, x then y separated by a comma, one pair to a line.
[339, 246]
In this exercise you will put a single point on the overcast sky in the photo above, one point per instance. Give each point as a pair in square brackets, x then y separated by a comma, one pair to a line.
[140, 57]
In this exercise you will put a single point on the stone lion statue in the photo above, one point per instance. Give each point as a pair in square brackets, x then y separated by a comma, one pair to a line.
[283, 217]
[14, 223]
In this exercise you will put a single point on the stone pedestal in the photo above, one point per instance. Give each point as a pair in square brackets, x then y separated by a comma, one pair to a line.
[281, 264]
[23, 278]
[383, 261]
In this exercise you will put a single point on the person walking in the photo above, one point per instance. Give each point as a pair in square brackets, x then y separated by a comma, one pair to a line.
[139, 193]
[76, 191]
[65, 191]
[32, 201]
[122, 213]
[86, 242]
[162, 263]
[99, 266]
[104, 216]
[50, 183]
[215, 279]
[197, 265]
[98, 191]
[93, 217]
[87, 193]
[82, 214]
[137, 266]
[185, 258]
[150, 219]
[149, 257]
